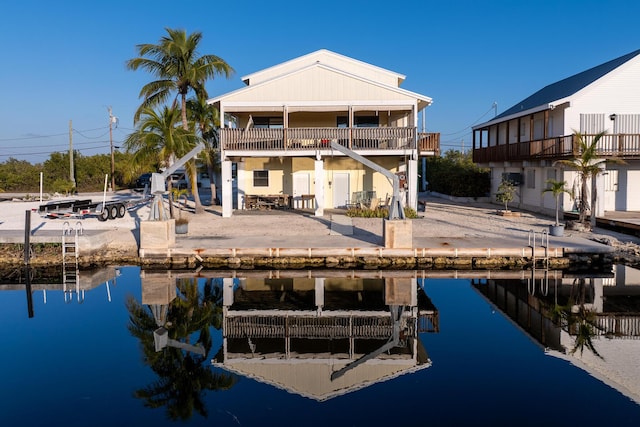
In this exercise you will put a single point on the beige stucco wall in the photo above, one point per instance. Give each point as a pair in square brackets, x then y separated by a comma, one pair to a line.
[361, 178]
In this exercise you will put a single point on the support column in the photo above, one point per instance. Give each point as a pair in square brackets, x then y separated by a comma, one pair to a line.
[319, 187]
[241, 182]
[319, 294]
[227, 291]
[412, 182]
[424, 174]
[227, 189]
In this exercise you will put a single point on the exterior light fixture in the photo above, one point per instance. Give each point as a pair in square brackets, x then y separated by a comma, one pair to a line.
[612, 116]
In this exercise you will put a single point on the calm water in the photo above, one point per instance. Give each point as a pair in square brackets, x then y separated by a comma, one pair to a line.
[320, 348]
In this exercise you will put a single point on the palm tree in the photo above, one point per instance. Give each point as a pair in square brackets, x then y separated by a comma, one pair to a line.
[588, 165]
[206, 118]
[158, 136]
[178, 66]
[556, 188]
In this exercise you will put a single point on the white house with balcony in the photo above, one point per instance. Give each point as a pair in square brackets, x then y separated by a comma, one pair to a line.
[524, 142]
[276, 150]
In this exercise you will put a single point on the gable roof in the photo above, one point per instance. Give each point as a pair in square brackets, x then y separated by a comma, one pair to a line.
[565, 87]
[319, 56]
[325, 60]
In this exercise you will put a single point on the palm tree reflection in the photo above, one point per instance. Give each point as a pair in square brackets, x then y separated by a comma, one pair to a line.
[183, 375]
[579, 317]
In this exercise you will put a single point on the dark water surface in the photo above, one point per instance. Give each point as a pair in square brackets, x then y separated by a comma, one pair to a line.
[332, 348]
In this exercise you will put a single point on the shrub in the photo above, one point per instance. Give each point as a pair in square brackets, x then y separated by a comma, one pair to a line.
[455, 174]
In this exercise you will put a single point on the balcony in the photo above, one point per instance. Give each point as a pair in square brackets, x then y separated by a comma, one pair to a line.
[624, 146]
[297, 141]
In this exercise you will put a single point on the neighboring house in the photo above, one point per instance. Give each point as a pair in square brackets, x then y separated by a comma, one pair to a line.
[529, 137]
[287, 116]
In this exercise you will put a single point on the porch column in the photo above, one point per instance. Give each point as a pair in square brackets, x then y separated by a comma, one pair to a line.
[412, 182]
[319, 294]
[319, 186]
[227, 291]
[227, 189]
[600, 192]
[241, 182]
[423, 168]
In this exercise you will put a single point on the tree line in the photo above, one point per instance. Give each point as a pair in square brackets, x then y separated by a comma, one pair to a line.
[21, 176]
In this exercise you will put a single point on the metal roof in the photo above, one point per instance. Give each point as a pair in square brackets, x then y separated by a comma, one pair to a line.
[566, 87]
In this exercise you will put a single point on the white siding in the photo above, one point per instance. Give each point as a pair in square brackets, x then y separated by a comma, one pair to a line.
[616, 93]
[331, 59]
[318, 85]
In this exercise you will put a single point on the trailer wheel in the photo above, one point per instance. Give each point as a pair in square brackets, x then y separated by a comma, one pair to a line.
[104, 215]
[121, 211]
[113, 212]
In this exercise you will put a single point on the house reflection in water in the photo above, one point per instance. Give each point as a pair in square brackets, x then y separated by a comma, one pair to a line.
[593, 322]
[322, 337]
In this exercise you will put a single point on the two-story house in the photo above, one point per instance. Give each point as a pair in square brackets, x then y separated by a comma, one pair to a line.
[277, 141]
[524, 142]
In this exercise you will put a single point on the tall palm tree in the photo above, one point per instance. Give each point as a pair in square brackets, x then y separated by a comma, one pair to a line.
[158, 136]
[179, 68]
[588, 165]
[206, 119]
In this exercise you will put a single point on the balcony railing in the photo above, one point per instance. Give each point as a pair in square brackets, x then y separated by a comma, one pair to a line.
[562, 147]
[429, 143]
[300, 139]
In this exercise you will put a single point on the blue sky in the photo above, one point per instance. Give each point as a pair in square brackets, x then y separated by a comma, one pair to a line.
[65, 60]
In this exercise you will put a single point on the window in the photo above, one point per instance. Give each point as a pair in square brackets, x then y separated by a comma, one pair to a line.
[359, 121]
[268, 122]
[551, 174]
[531, 178]
[366, 121]
[261, 178]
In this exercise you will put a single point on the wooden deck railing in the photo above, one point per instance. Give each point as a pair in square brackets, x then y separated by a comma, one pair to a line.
[562, 147]
[429, 143]
[257, 139]
[343, 326]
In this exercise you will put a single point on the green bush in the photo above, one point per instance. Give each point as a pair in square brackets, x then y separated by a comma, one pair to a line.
[455, 174]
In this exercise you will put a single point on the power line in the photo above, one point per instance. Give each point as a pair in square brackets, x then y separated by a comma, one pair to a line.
[493, 106]
[57, 134]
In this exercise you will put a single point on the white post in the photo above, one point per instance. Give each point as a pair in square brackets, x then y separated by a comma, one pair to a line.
[40, 187]
[241, 179]
[319, 187]
[319, 294]
[227, 189]
[412, 182]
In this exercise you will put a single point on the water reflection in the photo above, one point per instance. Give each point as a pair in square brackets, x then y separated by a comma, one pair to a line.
[322, 337]
[173, 325]
[593, 322]
[318, 347]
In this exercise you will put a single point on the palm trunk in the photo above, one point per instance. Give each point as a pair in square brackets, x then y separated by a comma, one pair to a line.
[194, 185]
[583, 198]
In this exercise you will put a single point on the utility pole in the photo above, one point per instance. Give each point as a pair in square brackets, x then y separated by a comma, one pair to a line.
[72, 175]
[112, 120]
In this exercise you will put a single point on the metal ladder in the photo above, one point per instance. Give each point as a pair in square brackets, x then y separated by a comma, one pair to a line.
[70, 270]
[544, 243]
